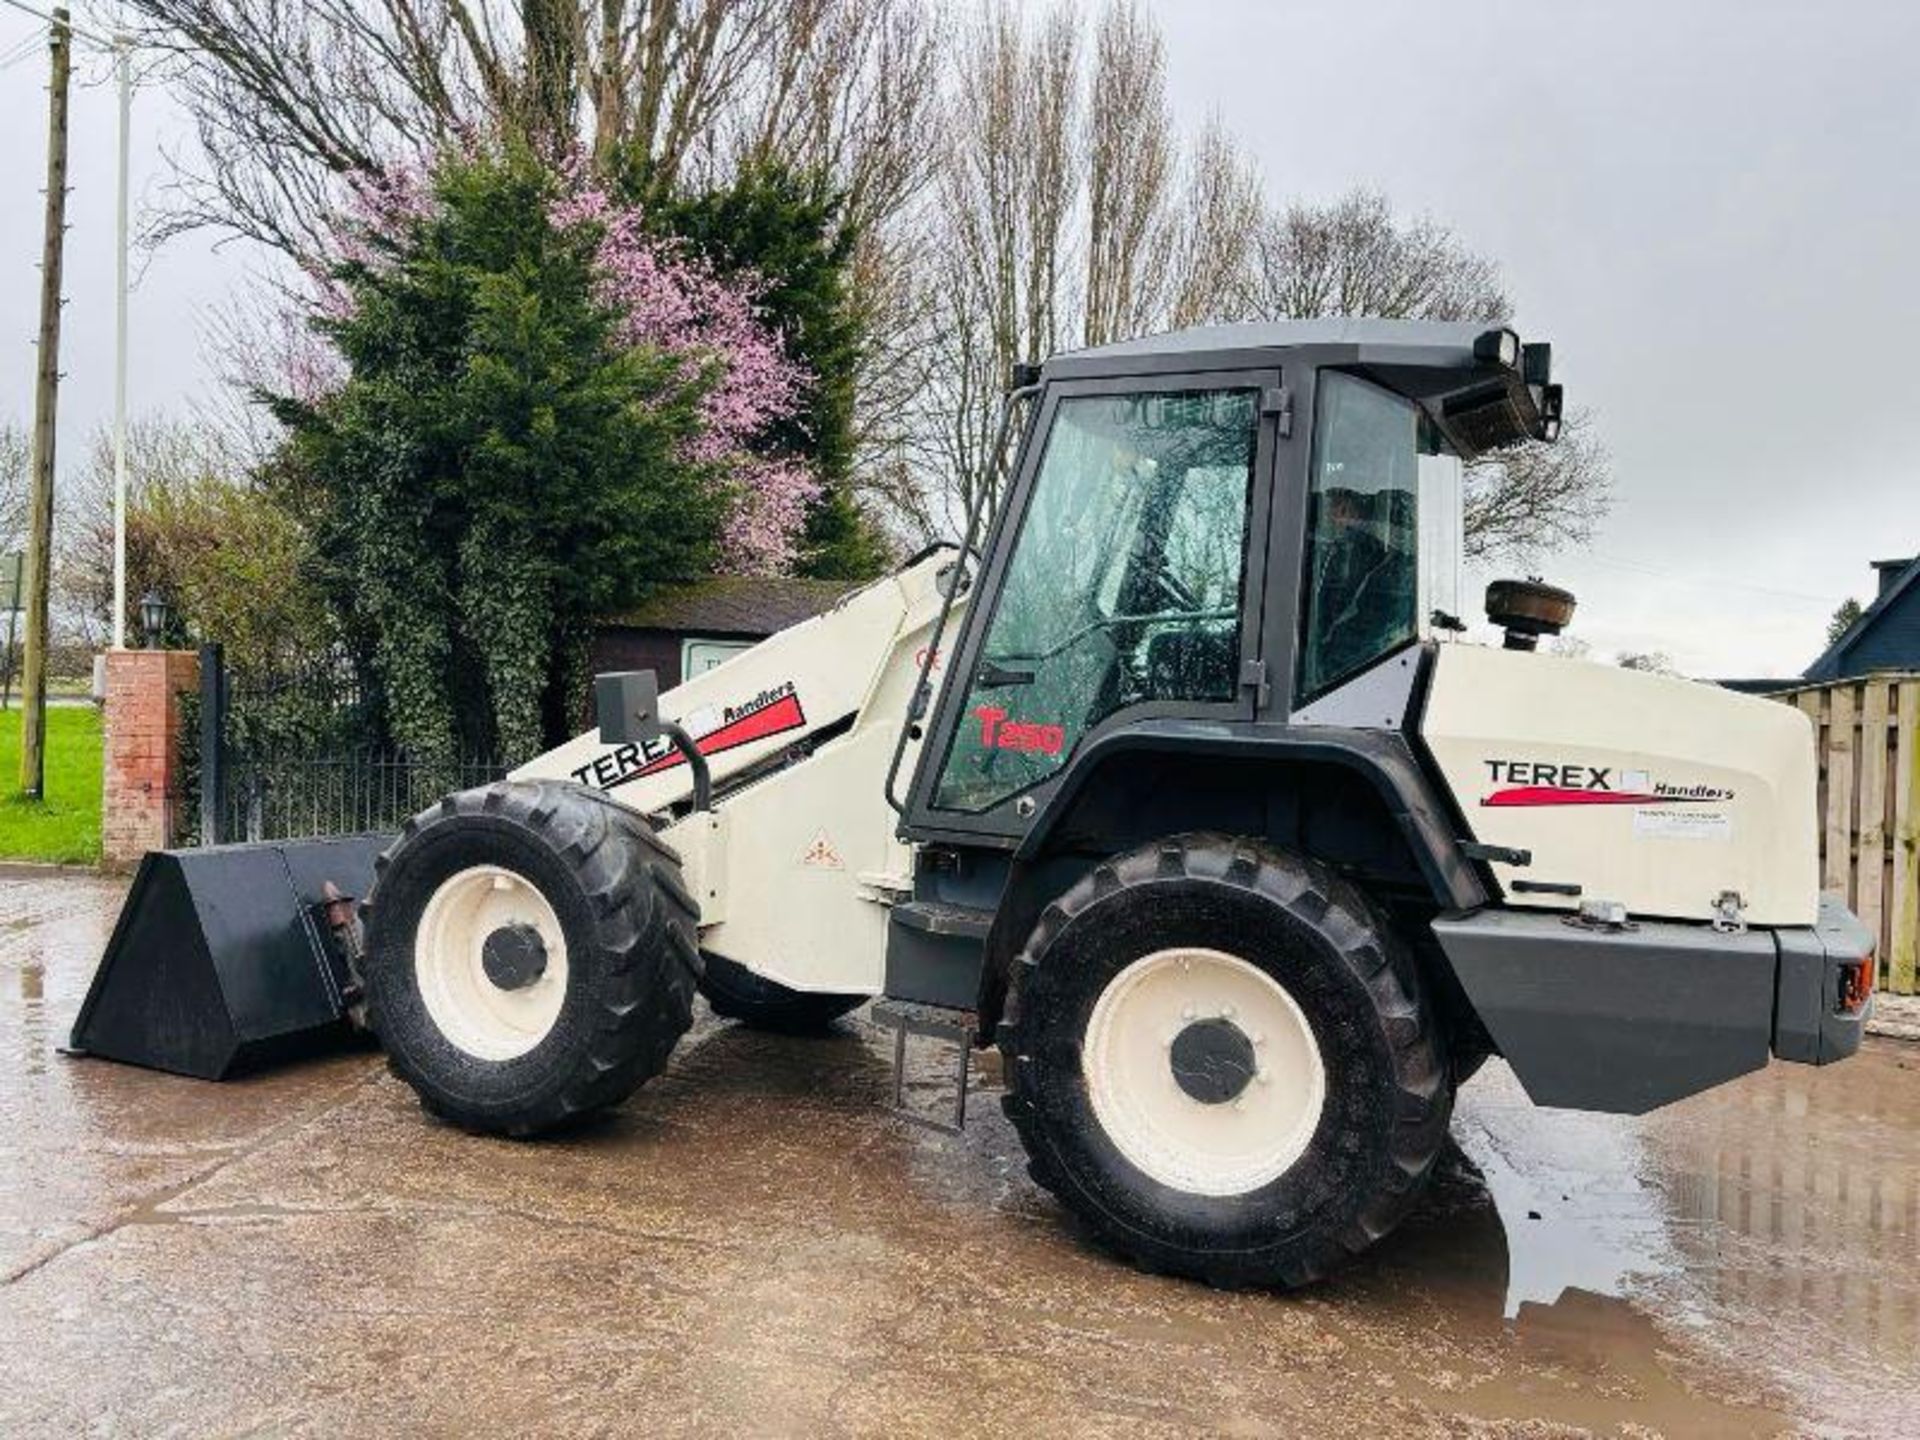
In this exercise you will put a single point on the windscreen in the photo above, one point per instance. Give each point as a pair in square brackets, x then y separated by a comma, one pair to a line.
[1124, 585]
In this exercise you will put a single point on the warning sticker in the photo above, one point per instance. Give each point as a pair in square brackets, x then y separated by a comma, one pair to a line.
[1663, 824]
[821, 855]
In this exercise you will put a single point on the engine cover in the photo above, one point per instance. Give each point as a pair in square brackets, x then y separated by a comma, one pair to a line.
[1661, 793]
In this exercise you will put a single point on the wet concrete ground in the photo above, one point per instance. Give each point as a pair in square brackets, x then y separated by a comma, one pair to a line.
[751, 1246]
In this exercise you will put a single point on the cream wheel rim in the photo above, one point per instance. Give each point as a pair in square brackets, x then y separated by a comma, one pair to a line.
[489, 1011]
[1203, 1071]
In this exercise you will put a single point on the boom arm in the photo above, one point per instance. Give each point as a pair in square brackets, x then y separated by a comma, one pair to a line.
[798, 733]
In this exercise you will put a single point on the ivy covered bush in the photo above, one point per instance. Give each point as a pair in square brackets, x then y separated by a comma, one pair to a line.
[530, 409]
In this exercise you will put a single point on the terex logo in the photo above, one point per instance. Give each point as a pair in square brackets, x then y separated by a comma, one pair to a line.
[997, 732]
[1534, 772]
[1538, 782]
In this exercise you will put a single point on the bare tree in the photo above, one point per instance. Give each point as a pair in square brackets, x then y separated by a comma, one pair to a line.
[1216, 226]
[162, 455]
[1130, 172]
[1529, 499]
[1014, 190]
[997, 264]
[15, 457]
[1654, 662]
[1069, 213]
[1356, 257]
[289, 96]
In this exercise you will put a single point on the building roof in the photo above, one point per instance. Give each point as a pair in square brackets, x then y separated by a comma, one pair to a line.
[1831, 665]
[733, 605]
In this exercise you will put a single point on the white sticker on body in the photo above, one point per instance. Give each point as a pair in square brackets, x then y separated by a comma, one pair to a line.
[1680, 823]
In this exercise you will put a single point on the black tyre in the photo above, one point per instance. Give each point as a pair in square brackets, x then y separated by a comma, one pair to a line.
[1219, 1056]
[530, 955]
[736, 993]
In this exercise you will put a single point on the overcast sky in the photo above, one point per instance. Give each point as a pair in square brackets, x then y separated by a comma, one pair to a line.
[1710, 209]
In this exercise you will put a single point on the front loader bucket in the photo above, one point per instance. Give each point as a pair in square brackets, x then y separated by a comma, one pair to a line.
[229, 957]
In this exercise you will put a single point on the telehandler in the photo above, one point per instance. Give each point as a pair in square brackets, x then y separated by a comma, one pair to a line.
[1175, 786]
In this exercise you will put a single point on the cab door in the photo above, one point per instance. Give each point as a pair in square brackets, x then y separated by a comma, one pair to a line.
[1123, 581]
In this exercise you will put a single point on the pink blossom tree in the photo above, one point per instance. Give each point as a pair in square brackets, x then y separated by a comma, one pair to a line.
[668, 300]
[673, 301]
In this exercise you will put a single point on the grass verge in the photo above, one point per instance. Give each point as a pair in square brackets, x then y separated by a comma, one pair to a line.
[64, 825]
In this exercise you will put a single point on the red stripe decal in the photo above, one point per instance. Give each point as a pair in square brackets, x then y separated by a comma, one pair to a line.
[782, 715]
[1560, 795]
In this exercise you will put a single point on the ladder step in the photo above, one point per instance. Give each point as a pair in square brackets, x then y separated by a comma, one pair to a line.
[938, 918]
[933, 1022]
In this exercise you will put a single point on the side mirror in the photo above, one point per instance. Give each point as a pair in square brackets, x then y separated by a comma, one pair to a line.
[627, 703]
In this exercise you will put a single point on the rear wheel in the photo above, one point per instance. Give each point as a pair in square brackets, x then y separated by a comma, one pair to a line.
[530, 955]
[1219, 1056]
[738, 994]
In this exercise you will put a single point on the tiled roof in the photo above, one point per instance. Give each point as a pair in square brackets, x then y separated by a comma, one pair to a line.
[733, 605]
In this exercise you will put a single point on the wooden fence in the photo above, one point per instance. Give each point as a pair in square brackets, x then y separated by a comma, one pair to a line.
[1868, 733]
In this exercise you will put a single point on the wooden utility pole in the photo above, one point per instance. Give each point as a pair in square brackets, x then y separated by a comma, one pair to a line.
[46, 399]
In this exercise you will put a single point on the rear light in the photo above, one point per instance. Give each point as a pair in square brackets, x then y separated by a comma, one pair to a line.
[1856, 983]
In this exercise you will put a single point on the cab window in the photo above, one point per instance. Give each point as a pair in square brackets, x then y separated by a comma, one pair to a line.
[1360, 598]
[1124, 585]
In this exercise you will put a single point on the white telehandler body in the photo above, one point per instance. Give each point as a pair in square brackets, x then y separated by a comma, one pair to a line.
[1175, 785]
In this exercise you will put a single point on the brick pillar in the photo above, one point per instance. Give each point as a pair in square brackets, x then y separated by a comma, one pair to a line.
[143, 801]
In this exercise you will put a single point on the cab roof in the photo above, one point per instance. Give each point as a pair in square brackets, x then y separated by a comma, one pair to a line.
[1263, 342]
[1477, 383]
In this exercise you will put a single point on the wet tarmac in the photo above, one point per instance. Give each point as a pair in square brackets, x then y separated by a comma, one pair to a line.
[751, 1246]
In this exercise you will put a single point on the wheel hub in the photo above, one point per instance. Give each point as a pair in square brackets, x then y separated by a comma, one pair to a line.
[1203, 1071]
[1213, 1061]
[514, 956]
[490, 960]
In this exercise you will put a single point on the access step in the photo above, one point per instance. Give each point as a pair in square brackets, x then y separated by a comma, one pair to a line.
[936, 917]
[933, 1022]
[934, 953]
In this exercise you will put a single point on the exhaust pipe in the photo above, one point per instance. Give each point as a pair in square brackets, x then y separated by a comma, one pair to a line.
[231, 957]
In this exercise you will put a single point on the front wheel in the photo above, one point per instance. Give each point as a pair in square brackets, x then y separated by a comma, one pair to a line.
[1219, 1056]
[530, 955]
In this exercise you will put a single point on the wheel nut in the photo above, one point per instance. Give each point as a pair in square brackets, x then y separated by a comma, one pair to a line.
[1226, 1012]
[1187, 1012]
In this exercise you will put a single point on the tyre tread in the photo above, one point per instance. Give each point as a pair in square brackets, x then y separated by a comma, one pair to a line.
[1386, 970]
[643, 914]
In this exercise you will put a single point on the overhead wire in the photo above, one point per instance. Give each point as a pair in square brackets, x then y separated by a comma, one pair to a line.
[1710, 581]
[31, 45]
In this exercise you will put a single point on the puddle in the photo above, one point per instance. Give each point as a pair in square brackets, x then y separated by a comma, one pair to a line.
[1579, 1217]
